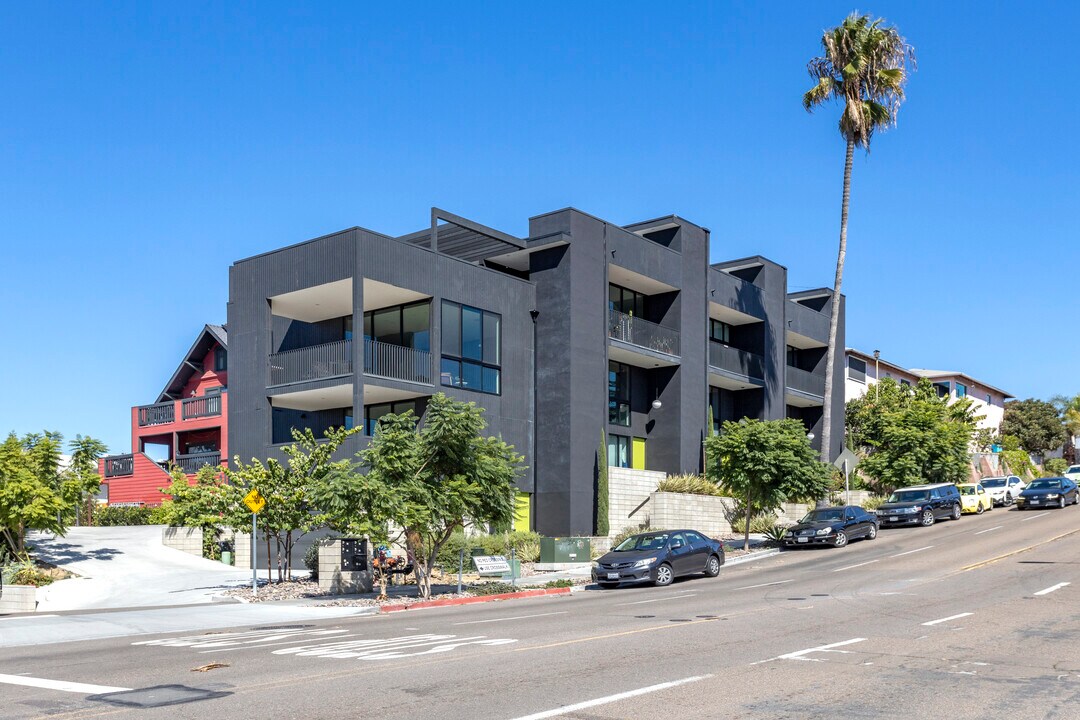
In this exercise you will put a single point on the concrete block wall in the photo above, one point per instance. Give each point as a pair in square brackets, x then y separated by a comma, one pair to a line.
[184, 539]
[332, 578]
[18, 599]
[704, 513]
[629, 493]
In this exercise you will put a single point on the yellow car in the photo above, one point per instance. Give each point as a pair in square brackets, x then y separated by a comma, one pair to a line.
[974, 499]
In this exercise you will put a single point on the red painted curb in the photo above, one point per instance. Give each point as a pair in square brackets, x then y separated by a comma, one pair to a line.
[473, 600]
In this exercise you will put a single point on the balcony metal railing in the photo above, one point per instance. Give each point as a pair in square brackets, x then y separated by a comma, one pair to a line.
[806, 382]
[641, 332]
[190, 464]
[735, 360]
[157, 414]
[397, 362]
[119, 465]
[200, 407]
[317, 362]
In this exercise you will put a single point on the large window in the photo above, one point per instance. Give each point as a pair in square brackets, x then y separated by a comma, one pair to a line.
[221, 360]
[471, 348]
[719, 331]
[372, 413]
[961, 390]
[618, 451]
[628, 302]
[618, 394]
[856, 369]
[405, 325]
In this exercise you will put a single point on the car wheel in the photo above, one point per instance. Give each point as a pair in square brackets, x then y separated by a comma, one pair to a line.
[872, 533]
[927, 518]
[1061, 502]
[955, 512]
[980, 509]
[664, 576]
[712, 566]
[840, 540]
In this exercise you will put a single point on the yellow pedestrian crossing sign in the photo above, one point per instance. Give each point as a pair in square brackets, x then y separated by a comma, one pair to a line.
[255, 501]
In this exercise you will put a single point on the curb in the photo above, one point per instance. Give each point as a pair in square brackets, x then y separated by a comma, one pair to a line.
[474, 600]
[750, 557]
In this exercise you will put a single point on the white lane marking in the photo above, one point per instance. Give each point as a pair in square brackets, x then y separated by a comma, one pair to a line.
[265, 645]
[989, 529]
[751, 587]
[1035, 516]
[801, 654]
[27, 617]
[60, 685]
[670, 597]
[518, 617]
[849, 567]
[1052, 588]
[390, 648]
[909, 552]
[946, 619]
[246, 637]
[565, 709]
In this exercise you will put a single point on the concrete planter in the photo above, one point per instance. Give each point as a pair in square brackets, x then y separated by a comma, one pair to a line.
[18, 599]
[335, 580]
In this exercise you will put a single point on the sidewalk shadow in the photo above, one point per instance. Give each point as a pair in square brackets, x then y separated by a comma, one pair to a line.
[61, 553]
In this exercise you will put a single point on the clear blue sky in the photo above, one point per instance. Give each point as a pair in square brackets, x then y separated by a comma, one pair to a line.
[146, 146]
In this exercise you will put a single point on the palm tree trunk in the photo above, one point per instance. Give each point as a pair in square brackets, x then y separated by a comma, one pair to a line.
[834, 316]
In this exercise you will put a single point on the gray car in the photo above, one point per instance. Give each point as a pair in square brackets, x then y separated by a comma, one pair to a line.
[658, 558]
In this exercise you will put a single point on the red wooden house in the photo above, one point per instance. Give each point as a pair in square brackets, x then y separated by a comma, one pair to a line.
[186, 427]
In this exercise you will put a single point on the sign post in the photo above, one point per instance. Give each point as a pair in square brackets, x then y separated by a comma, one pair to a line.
[846, 463]
[255, 502]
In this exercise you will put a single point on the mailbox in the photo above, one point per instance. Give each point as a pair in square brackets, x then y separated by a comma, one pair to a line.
[354, 555]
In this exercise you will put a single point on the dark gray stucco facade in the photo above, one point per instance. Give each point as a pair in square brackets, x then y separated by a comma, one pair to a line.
[294, 359]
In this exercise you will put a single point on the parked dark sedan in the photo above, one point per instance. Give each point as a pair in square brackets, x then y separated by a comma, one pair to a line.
[832, 526]
[659, 558]
[1048, 492]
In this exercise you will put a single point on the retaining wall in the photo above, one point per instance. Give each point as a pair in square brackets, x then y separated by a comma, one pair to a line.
[184, 539]
[331, 576]
[18, 599]
[704, 513]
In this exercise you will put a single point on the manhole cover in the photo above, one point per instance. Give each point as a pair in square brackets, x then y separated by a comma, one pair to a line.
[796, 598]
[706, 617]
[820, 595]
[283, 627]
[158, 696]
[644, 617]
[680, 620]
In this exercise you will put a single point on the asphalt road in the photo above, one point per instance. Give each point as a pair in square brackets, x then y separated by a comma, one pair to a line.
[970, 619]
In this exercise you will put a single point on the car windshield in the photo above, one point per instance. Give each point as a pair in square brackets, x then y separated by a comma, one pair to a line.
[824, 515]
[993, 482]
[643, 542]
[1043, 484]
[910, 496]
[1074, 469]
[967, 490]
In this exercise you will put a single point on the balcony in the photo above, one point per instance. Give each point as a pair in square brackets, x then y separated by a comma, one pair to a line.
[200, 407]
[119, 465]
[157, 414]
[805, 382]
[396, 362]
[191, 464]
[738, 361]
[318, 362]
[642, 333]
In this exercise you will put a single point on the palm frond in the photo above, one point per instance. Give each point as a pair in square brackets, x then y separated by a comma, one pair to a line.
[819, 94]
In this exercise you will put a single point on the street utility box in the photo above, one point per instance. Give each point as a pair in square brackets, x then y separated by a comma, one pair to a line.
[565, 550]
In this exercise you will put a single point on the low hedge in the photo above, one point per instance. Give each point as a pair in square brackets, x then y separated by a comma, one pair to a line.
[113, 516]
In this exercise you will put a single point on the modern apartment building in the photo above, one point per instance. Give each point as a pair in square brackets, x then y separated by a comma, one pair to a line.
[185, 427]
[583, 328]
[863, 371]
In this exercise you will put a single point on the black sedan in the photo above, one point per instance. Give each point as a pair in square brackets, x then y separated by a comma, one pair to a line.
[834, 526]
[1048, 492]
[659, 558]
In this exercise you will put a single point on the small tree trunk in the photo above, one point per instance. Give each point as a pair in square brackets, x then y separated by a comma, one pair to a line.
[749, 514]
[834, 315]
[269, 576]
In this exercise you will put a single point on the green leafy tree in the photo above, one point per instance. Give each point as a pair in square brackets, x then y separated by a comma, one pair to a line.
[290, 490]
[30, 493]
[81, 479]
[765, 463]
[1055, 467]
[209, 503]
[908, 436]
[602, 490]
[1036, 423]
[1016, 459]
[864, 65]
[427, 482]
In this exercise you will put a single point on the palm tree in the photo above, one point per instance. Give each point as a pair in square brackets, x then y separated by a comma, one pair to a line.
[864, 65]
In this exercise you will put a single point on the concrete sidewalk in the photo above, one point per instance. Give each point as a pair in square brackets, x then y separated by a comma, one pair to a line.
[124, 567]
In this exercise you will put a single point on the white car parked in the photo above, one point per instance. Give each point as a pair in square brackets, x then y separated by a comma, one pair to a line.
[1003, 490]
[1073, 474]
